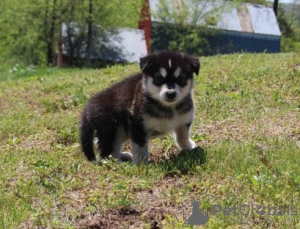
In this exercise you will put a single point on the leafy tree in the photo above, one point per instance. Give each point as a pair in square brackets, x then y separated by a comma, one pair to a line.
[29, 32]
[289, 22]
[18, 35]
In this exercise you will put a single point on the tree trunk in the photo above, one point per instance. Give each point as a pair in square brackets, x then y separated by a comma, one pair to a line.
[71, 18]
[50, 42]
[275, 7]
[89, 35]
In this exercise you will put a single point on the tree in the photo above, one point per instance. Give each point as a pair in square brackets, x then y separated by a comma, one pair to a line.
[32, 37]
[275, 7]
[289, 22]
[89, 35]
[50, 29]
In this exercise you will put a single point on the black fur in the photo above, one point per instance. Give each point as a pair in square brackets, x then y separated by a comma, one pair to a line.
[125, 103]
[155, 109]
[108, 110]
[185, 105]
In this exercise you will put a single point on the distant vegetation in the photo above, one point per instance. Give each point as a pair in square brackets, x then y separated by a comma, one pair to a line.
[289, 21]
[29, 32]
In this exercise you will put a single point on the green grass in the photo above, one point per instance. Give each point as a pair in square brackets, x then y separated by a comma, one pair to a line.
[247, 128]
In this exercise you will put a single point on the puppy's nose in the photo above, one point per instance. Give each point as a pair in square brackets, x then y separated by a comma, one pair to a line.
[170, 94]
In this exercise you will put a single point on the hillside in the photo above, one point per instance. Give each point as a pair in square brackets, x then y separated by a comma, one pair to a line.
[247, 128]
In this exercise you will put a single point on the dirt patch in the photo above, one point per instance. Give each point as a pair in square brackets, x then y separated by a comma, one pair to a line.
[237, 130]
[152, 210]
[127, 217]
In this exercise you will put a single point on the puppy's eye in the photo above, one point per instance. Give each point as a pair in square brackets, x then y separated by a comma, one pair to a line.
[159, 80]
[181, 81]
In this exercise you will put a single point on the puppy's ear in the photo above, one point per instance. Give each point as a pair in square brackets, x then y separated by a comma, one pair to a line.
[196, 65]
[194, 62]
[148, 62]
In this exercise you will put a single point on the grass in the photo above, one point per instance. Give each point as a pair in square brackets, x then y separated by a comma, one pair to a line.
[247, 128]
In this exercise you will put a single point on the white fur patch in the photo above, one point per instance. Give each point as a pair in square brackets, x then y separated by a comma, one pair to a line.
[177, 72]
[170, 63]
[167, 125]
[159, 93]
[152, 89]
[186, 89]
[163, 72]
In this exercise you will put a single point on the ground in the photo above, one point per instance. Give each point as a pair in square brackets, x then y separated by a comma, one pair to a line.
[247, 129]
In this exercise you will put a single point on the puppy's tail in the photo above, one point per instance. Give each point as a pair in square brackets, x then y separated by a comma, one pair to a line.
[86, 139]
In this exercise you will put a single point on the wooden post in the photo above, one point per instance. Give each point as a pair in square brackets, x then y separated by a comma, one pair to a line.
[145, 23]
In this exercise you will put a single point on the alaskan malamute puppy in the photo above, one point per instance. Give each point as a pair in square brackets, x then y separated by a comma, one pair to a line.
[157, 101]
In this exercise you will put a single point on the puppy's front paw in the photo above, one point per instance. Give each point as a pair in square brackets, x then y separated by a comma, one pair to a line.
[193, 145]
[188, 145]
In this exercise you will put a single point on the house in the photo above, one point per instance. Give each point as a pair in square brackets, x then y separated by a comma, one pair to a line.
[120, 45]
[246, 27]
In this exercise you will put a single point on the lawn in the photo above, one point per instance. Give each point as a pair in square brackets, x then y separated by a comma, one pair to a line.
[247, 128]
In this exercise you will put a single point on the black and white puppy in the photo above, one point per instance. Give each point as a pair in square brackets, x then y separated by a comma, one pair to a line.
[157, 101]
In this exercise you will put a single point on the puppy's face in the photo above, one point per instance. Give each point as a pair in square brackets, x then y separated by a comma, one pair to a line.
[169, 76]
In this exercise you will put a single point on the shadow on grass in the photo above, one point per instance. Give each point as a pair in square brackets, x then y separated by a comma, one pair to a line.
[177, 164]
[186, 161]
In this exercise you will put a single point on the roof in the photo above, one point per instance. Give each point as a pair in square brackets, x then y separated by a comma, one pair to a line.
[118, 45]
[263, 19]
[249, 18]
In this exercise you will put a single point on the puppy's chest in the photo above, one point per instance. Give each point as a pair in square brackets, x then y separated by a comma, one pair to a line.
[158, 125]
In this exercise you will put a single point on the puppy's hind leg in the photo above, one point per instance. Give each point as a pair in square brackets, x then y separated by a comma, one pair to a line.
[140, 153]
[140, 140]
[121, 137]
[126, 156]
[106, 133]
[110, 142]
[86, 139]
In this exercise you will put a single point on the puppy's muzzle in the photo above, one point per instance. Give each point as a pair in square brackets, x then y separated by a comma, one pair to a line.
[171, 95]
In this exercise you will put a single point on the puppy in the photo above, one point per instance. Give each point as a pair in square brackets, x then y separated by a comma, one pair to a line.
[154, 102]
